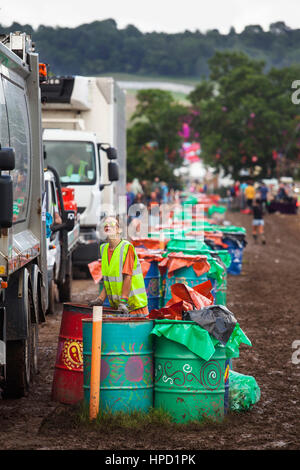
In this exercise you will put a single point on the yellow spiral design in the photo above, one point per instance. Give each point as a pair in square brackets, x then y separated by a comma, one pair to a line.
[73, 354]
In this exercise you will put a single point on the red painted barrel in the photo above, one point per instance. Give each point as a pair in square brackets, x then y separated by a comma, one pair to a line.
[67, 386]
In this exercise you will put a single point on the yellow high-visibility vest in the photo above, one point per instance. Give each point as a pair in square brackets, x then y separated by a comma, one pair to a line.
[81, 169]
[113, 277]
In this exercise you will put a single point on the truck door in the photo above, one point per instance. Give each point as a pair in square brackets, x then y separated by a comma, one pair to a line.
[4, 142]
[19, 139]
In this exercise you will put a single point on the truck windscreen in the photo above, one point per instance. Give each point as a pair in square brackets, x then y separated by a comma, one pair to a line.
[74, 161]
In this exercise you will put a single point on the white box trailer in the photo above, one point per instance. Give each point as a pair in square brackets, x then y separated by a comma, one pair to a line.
[83, 120]
[23, 266]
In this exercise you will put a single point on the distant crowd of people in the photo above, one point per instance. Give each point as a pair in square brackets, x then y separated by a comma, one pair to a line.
[151, 193]
[242, 195]
[257, 199]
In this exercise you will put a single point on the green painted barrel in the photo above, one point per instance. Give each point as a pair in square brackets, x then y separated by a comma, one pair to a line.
[186, 386]
[221, 296]
[126, 382]
[221, 289]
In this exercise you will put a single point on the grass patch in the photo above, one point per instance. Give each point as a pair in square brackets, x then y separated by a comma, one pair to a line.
[139, 420]
[106, 419]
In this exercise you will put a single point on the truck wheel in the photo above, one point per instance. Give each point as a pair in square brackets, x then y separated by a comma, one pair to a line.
[22, 359]
[52, 296]
[18, 371]
[34, 348]
[65, 289]
[19, 361]
[34, 340]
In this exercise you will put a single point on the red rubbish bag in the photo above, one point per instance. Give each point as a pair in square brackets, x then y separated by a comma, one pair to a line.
[95, 270]
[172, 312]
[200, 296]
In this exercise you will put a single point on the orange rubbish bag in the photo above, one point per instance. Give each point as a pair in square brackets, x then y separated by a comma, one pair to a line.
[95, 270]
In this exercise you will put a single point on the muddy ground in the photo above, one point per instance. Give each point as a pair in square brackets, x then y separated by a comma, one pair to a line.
[265, 299]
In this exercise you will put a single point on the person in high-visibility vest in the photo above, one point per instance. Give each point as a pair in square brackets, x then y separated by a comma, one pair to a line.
[122, 273]
[77, 166]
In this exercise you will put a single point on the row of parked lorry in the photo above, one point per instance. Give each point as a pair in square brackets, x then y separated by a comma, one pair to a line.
[62, 169]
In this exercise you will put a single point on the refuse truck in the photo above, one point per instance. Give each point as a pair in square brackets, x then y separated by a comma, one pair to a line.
[84, 138]
[62, 234]
[23, 264]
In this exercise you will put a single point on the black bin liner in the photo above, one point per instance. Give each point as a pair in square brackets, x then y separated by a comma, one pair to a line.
[238, 238]
[216, 319]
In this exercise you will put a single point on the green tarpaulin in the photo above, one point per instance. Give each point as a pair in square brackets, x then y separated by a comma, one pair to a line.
[218, 209]
[197, 339]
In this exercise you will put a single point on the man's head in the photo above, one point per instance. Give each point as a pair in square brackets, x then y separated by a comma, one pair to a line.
[75, 159]
[111, 227]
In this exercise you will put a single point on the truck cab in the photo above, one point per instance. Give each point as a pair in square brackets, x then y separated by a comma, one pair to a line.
[23, 268]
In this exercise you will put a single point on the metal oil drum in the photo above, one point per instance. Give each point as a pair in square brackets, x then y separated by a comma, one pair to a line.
[188, 387]
[126, 380]
[67, 385]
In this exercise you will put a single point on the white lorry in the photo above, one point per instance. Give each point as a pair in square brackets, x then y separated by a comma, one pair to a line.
[84, 133]
[23, 267]
[62, 232]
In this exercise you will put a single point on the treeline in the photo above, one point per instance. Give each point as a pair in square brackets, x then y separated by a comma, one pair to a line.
[101, 48]
[250, 127]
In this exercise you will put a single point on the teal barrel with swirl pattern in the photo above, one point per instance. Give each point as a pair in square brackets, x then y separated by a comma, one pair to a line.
[126, 381]
[186, 386]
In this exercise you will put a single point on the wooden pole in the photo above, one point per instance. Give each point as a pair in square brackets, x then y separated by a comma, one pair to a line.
[161, 241]
[95, 362]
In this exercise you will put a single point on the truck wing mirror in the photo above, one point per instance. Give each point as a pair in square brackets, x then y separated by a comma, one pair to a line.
[68, 224]
[113, 171]
[70, 220]
[7, 159]
[111, 153]
[6, 198]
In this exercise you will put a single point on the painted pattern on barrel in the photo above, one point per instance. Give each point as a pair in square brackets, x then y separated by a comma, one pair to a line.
[67, 385]
[186, 386]
[126, 381]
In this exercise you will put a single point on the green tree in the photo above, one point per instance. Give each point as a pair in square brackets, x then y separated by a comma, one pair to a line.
[245, 116]
[101, 47]
[153, 141]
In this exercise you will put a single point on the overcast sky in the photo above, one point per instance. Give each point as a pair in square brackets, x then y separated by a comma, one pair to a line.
[154, 15]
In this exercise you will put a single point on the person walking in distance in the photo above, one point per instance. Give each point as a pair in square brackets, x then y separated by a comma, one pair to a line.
[258, 221]
[122, 274]
[263, 191]
[249, 194]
